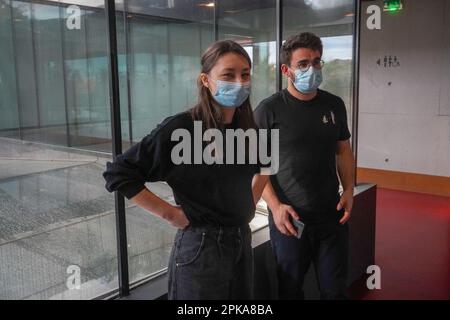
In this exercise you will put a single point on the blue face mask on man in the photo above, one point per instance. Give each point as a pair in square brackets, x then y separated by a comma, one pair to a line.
[307, 81]
[231, 94]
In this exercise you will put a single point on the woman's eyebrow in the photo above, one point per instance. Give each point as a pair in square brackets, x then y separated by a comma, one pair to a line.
[232, 69]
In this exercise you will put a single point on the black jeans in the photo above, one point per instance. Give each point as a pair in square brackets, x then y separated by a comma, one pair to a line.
[211, 263]
[326, 245]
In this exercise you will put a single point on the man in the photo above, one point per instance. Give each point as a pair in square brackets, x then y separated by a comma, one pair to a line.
[313, 141]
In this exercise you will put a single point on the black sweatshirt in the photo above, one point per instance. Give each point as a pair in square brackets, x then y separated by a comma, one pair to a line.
[216, 194]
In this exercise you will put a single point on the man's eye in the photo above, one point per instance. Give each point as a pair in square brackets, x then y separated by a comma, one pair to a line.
[303, 65]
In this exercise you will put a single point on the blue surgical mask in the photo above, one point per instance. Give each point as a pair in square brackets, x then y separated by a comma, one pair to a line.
[308, 81]
[231, 94]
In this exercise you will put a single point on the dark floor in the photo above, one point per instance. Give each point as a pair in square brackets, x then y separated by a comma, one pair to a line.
[412, 247]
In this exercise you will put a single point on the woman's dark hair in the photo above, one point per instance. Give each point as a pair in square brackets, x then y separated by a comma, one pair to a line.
[207, 109]
[302, 40]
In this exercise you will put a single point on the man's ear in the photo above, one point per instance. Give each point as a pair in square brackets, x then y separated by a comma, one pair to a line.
[285, 70]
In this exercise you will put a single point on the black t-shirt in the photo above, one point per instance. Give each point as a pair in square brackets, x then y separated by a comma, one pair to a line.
[215, 194]
[309, 131]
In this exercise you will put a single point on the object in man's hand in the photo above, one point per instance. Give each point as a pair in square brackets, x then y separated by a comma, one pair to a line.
[299, 226]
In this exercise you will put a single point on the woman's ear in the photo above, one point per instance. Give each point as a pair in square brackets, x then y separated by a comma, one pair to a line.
[204, 79]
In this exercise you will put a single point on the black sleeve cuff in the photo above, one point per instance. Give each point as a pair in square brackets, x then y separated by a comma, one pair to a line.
[129, 190]
[345, 137]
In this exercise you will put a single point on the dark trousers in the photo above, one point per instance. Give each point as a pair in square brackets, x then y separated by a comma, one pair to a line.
[211, 263]
[325, 245]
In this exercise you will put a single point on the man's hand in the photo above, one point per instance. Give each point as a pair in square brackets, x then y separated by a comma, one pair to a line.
[281, 218]
[177, 218]
[346, 202]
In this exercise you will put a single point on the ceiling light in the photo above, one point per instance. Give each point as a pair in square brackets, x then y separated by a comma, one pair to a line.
[209, 4]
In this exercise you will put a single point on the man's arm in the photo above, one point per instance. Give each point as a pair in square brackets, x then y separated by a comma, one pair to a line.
[264, 119]
[280, 211]
[258, 183]
[261, 185]
[346, 170]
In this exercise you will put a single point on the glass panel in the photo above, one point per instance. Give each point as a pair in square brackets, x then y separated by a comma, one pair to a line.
[148, 74]
[57, 223]
[87, 82]
[9, 121]
[78, 94]
[47, 47]
[253, 25]
[25, 66]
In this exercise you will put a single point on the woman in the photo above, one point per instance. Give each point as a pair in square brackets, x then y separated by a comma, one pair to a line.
[212, 256]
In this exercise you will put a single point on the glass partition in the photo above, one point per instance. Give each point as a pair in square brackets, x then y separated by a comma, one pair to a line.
[57, 223]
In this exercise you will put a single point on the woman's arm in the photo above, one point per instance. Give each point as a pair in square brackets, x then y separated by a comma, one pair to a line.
[148, 160]
[160, 208]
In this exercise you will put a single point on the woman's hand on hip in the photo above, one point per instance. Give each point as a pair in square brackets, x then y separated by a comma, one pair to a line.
[177, 218]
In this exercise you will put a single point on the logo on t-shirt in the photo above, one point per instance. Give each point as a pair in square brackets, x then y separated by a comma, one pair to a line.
[326, 119]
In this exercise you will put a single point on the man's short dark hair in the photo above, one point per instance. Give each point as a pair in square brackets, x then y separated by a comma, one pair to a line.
[302, 40]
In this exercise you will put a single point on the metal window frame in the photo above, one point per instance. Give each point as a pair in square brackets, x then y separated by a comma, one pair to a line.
[215, 20]
[129, 62]
[116, 135]
[279, 41]
[355, 81]
[64, 75]
[35, 72]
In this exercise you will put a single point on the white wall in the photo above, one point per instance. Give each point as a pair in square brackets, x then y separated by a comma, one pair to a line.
[405, 110]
